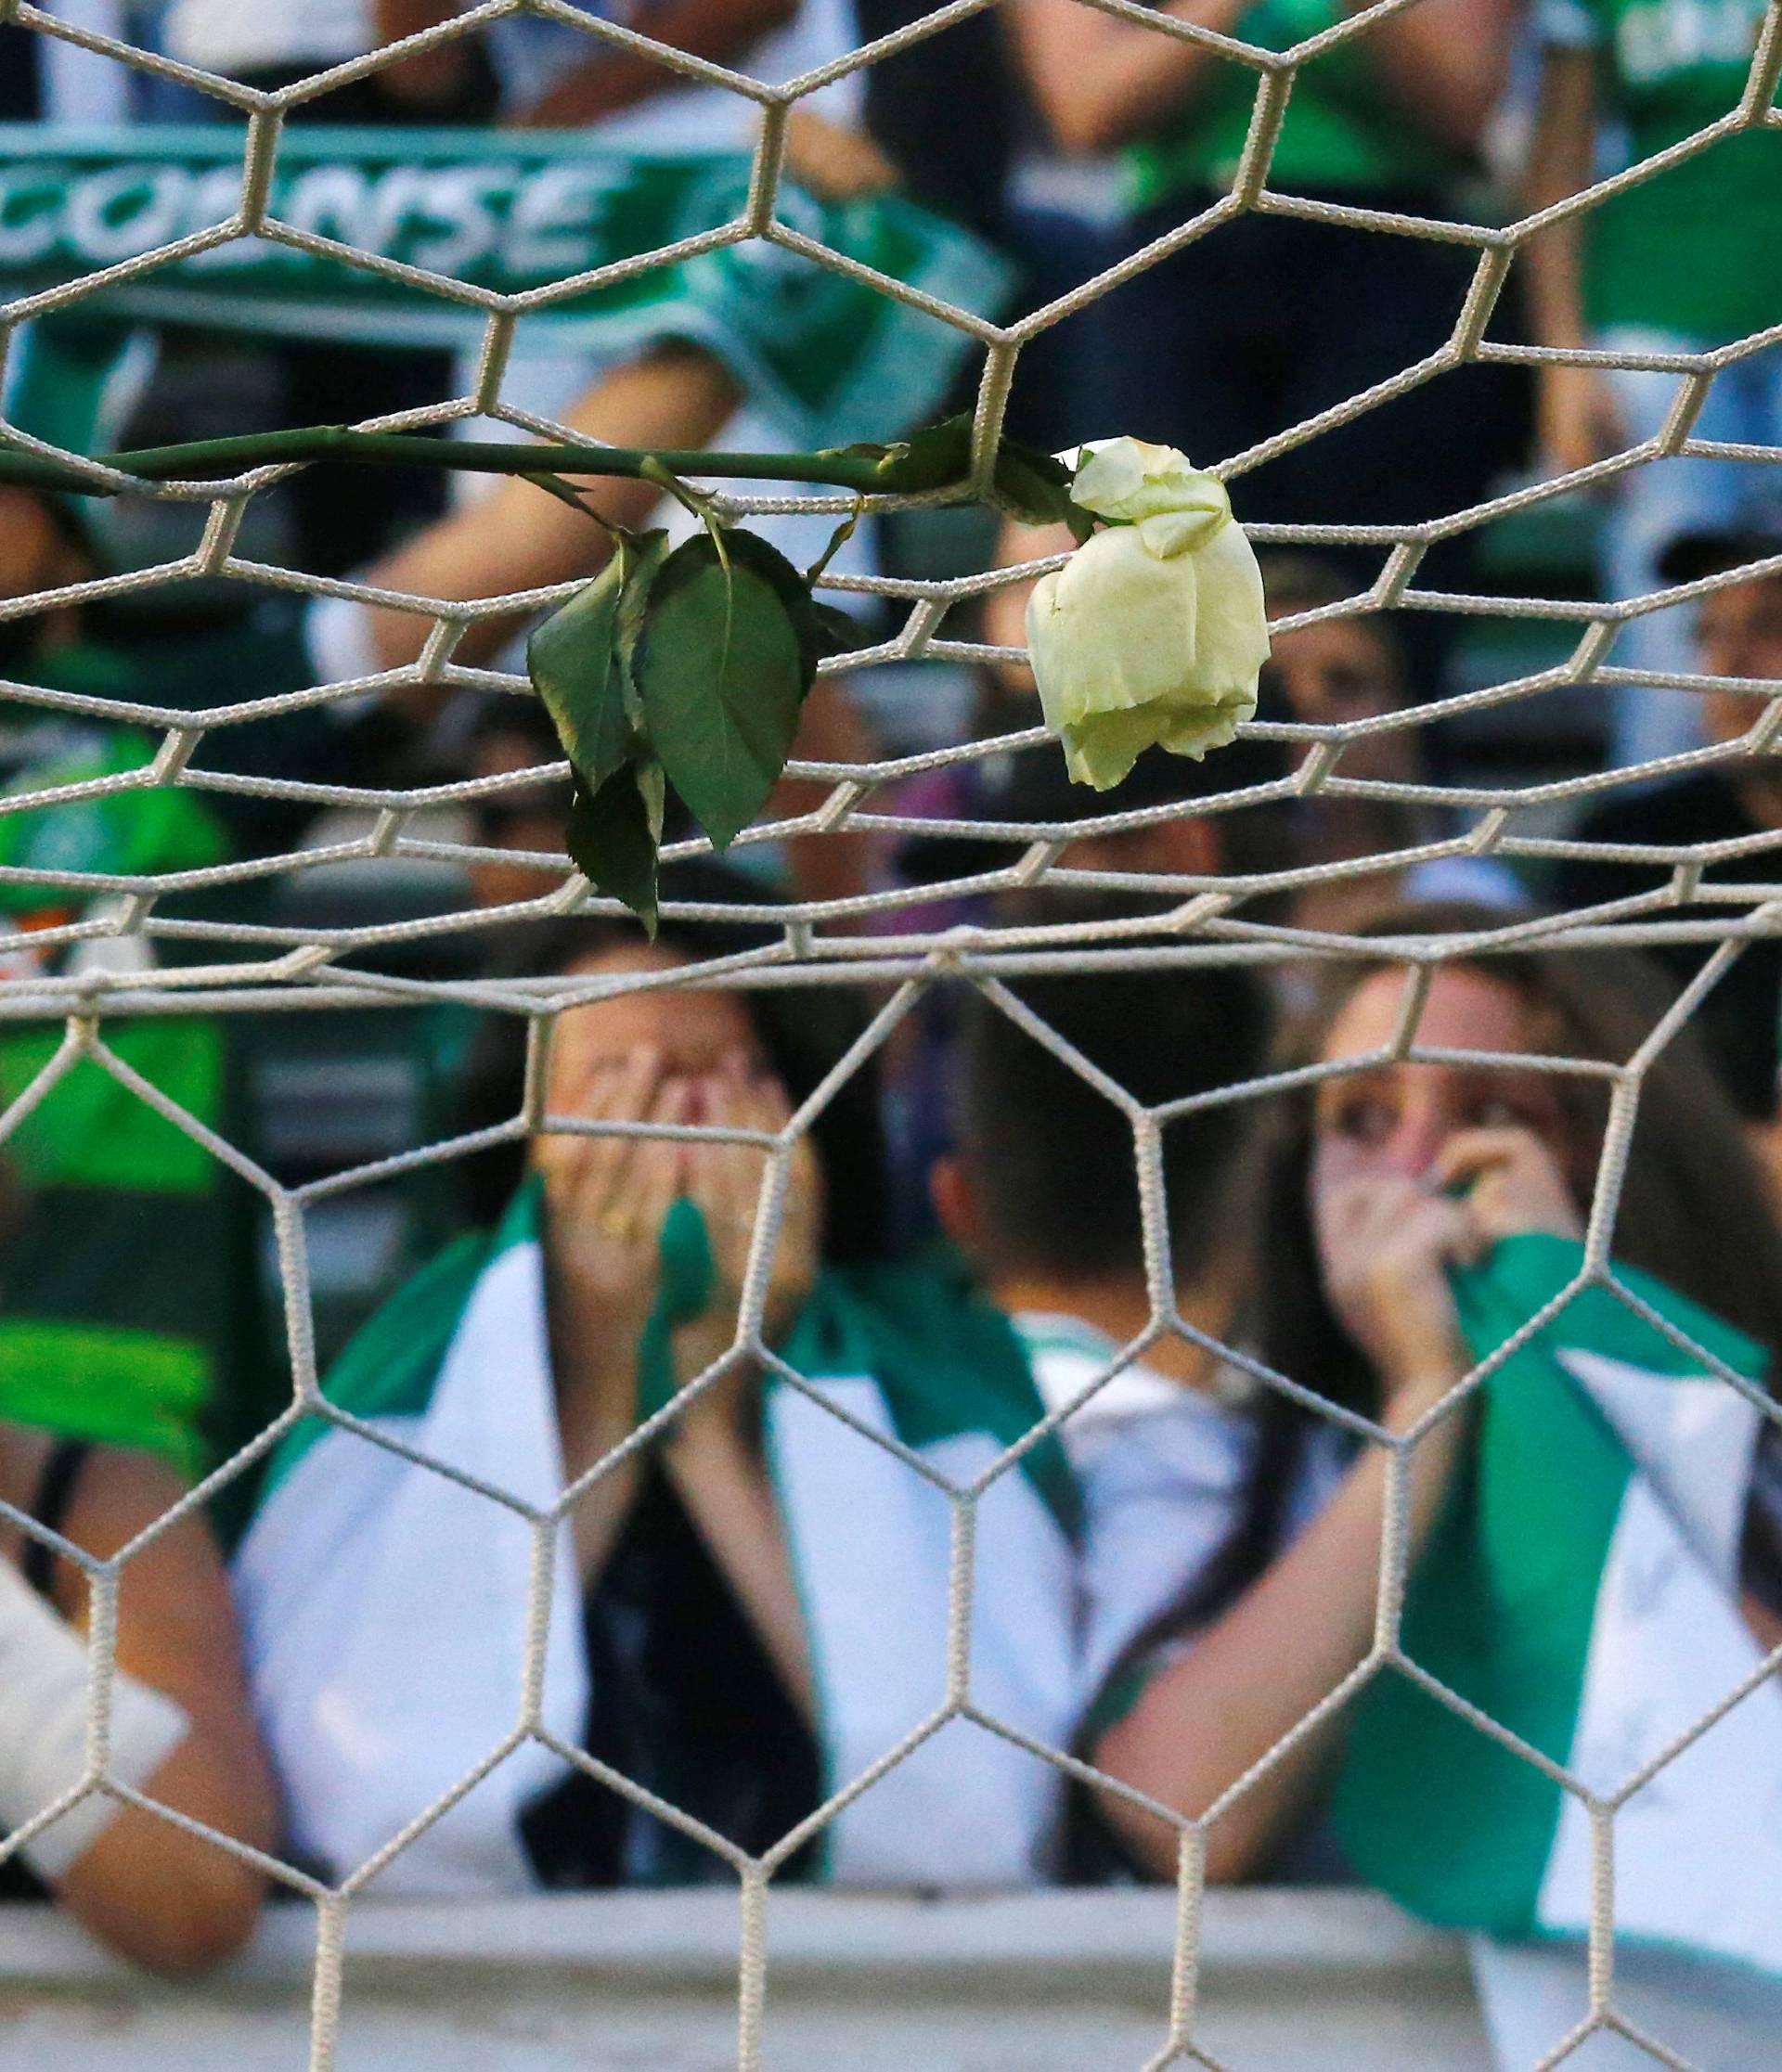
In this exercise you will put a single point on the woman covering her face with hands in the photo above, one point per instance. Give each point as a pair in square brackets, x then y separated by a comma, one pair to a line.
[1387, 1179]
[678, 1061]
[748, 1586]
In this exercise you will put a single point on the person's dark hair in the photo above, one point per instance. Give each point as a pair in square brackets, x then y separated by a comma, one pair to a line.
[1711, 552]
[804, 1033]
[518, 719]
[1023, 785]
[1032, 784]
[1695, 1208]
[1050, 1158]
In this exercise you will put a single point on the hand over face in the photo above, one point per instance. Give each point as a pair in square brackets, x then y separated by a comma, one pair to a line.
[1511, 1181]
[725, 1181]
[609, 1196]
[1387, 1240]
[1384, 1243]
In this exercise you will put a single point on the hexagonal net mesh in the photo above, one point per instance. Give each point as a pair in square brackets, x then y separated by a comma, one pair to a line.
[114, 959]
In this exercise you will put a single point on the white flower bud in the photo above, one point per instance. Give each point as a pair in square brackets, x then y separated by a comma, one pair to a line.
[1152, 634]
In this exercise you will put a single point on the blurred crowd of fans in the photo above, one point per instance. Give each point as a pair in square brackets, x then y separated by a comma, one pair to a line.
[1073, 140]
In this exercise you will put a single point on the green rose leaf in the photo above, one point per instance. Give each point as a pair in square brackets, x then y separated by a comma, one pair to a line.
[1035, 487]
[935, 457]
[614, 834]
[727, 650]
[838, 632]
[579, 659]
[1029, 485]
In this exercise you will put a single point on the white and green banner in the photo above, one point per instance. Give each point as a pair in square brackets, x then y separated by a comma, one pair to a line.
[511, 213]
[1582, 1588]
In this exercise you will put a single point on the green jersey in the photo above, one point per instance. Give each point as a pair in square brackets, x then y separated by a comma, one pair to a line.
[127, 1276]
[1697, 249]
[1342, 131]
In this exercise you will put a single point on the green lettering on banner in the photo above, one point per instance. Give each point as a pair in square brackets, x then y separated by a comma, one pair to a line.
[30, 215]
[509, 216]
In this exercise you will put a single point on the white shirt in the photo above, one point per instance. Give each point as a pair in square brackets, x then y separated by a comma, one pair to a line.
[1164, 1472]
[84, 86]
[235, 36]
[531, 57]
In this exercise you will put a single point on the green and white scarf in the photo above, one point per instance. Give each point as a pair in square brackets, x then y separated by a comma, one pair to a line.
[829, 358]
[1582, 1588]
[386, 1608]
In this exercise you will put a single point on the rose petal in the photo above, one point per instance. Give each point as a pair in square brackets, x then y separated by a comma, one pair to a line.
[1173, 533]
[1101, 750]
[1127, 480]
[1230, 624]
[1112, 629]
[1154, 630]
[1193, 732]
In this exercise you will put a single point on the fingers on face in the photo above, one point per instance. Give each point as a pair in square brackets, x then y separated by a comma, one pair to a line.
[765, 1107]
[607, 1082]
[609, 1085]
[724, 1178]
[1470, 1152]
[728, 1177]
[658, 1164]
[610, 1088]
[1452, 1230]
[1345, 1207]
[626, 1184]
[1513, 1179]
[1367, 1218]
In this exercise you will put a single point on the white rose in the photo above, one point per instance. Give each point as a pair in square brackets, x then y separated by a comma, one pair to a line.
[1153, 632]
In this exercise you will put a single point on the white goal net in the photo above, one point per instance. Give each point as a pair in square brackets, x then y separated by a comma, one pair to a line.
[125, 946]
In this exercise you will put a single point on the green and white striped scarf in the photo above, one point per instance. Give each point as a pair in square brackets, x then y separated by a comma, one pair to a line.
[829, 356]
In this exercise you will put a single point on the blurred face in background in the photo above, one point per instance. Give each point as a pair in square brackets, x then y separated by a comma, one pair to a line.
[1738, 633]
[696, 1031]
[33, 547]
[1393, 1120]
[678, 1057]
[38, 552]
[1336, 673]
[527, 820]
